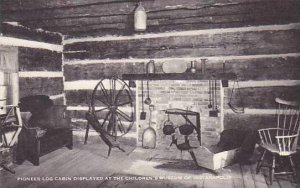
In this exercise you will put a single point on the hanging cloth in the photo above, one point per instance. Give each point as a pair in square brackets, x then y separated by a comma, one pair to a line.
[8, 61]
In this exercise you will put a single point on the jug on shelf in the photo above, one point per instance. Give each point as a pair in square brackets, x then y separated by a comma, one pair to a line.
[150, 67]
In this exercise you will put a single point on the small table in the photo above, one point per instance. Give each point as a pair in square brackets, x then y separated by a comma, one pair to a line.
[185, 114]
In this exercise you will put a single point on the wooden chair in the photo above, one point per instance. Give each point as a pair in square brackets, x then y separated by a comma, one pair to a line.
[281, 141]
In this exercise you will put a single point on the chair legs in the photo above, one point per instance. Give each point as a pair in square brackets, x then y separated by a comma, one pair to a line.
[259, 163]
[272, 169]
[273, 165]
[293, 168]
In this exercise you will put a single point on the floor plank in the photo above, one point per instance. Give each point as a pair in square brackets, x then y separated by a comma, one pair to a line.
[259, 179]
[247, 176]
[91, 161]
[237, 176]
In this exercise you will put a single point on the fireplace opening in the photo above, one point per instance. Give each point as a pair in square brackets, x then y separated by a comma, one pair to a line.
[191, 95]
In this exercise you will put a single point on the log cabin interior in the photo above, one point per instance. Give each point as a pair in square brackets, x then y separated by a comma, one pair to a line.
[149, 93]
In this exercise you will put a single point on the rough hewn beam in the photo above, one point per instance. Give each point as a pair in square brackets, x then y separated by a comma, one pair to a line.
[41, 86]
[119, 8]
[238, 43]
[261, 97]
[31, 59]
[100, 70]
[16, 5]
[22, 32]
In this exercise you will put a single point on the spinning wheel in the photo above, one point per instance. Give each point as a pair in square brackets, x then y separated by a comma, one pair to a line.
[10, 128]
[113, 106]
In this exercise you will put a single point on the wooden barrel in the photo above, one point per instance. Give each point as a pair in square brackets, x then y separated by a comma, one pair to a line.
[3, 98]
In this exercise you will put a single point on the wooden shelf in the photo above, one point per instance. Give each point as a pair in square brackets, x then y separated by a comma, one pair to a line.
[180, 76]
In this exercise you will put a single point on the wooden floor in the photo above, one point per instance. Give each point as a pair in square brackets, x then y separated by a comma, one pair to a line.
[135, 168]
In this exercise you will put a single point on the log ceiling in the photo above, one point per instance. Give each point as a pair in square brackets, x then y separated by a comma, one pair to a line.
[79, 18]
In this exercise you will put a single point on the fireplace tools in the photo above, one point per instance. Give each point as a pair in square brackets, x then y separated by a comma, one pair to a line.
[148, 101]
[143, 113]
[149, 134]
[210, 93]
[213, 103]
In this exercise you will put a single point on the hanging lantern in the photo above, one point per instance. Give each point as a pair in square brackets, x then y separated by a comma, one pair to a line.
[140, 18]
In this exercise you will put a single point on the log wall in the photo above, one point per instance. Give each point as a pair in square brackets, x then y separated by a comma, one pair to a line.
[40, 61]
[264, 55]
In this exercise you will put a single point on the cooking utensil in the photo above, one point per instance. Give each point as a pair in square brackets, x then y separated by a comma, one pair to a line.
[210, 93]
[215, 97]
[214, 111]
[168, 128]
[149, 134]
[143, 113]
[238, 110]
[148, 101]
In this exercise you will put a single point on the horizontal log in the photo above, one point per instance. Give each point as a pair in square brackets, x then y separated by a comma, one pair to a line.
[209, 32]
[100, 70]
[244, 43]
[17, 42]
[287, 68]
[97, 9]
[30, 34]
[31, 59]
[58, 101]
[265, 83]
[16, 5]
[40, 86]
[41, 74]
[163, 16]
[83, 98]
[236, 15]
[269, 12]
[261, 97]
[246, 121]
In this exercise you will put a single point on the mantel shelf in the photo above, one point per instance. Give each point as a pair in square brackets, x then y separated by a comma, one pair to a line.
[180, 76]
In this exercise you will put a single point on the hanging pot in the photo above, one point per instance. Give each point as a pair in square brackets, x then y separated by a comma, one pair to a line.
[186, 129]
[168, 128]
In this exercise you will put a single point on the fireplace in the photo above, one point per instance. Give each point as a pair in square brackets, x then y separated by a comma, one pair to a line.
[192, 95]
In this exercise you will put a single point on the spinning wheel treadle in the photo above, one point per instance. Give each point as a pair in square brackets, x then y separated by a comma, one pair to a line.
[113, 107]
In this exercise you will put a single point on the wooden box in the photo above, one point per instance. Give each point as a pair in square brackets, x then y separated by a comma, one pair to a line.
[214, 160]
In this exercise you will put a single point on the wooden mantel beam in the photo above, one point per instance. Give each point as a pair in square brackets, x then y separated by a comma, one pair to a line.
[180, 76]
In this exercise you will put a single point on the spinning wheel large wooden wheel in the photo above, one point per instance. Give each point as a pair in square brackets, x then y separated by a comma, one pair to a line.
[113, 106]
